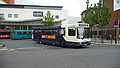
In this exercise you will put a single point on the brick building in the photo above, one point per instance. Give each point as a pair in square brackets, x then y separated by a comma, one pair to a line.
[9, 1]
[114, 8]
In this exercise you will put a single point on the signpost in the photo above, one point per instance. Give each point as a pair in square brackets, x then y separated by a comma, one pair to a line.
[115, 26]
[118, 31]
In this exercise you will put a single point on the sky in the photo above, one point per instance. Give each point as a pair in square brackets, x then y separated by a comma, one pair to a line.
[74, 7]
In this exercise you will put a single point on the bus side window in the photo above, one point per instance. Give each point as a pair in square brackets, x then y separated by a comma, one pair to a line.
[62, 31]
[29, 33]
[71, 31]
[45, 32]
[22, 33]
[53, 32]
[18, 33]
[57, 32]
[7, 33]
[12, 32]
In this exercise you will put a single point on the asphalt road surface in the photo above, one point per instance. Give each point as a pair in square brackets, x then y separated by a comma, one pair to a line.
[29, 54]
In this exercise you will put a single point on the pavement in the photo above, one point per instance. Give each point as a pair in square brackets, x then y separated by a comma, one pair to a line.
[4, 48]
[29, 54]
[105, 42]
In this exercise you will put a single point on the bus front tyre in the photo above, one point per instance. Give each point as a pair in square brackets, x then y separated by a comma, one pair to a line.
[53, 43]
[62, 44]
[40, 42]
[23, 38]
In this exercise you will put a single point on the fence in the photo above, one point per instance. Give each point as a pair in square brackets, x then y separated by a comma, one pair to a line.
[105, 39]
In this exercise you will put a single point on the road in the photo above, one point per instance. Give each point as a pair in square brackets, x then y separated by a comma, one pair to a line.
[29, 54]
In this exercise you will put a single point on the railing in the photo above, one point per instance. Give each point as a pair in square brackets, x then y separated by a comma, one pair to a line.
[105, 39]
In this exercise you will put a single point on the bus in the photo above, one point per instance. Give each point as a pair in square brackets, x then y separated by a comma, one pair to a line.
[4, 34]
[71, 35]
[21, 34]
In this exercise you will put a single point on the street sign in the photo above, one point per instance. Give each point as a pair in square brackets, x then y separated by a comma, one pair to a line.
[116, 26]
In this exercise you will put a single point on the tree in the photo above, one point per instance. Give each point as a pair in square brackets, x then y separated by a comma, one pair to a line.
[89, 17]
[102, 14]
[48, 19]
[97, 14]
[87, 2]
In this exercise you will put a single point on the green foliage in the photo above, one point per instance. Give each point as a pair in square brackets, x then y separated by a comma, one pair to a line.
[103, 16]
[48, 19]
[98, 14]
[89, 17]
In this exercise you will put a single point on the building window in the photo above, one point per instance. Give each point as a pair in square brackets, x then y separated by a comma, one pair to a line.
[15, 15]
[38, 14]
[9, 15]
[2, 15]
[57, 16]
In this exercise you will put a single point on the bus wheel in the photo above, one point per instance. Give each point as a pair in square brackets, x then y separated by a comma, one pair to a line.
[62, 43]
[40, 41]
[23, 38]
[53, 43]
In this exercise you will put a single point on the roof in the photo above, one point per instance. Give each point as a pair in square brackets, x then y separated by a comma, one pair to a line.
[29, 20]
[30, 6]
[52, 27]
[73, 20]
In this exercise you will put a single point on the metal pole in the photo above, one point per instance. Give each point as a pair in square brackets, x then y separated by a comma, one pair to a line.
[97, 35]
[118, 30]
[111, 38]
[115, 37]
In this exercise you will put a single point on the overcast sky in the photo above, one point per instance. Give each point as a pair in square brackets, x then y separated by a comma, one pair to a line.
[74, 7]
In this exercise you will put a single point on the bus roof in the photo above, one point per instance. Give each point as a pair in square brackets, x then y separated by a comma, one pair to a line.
[52, 27]
[22, 30]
